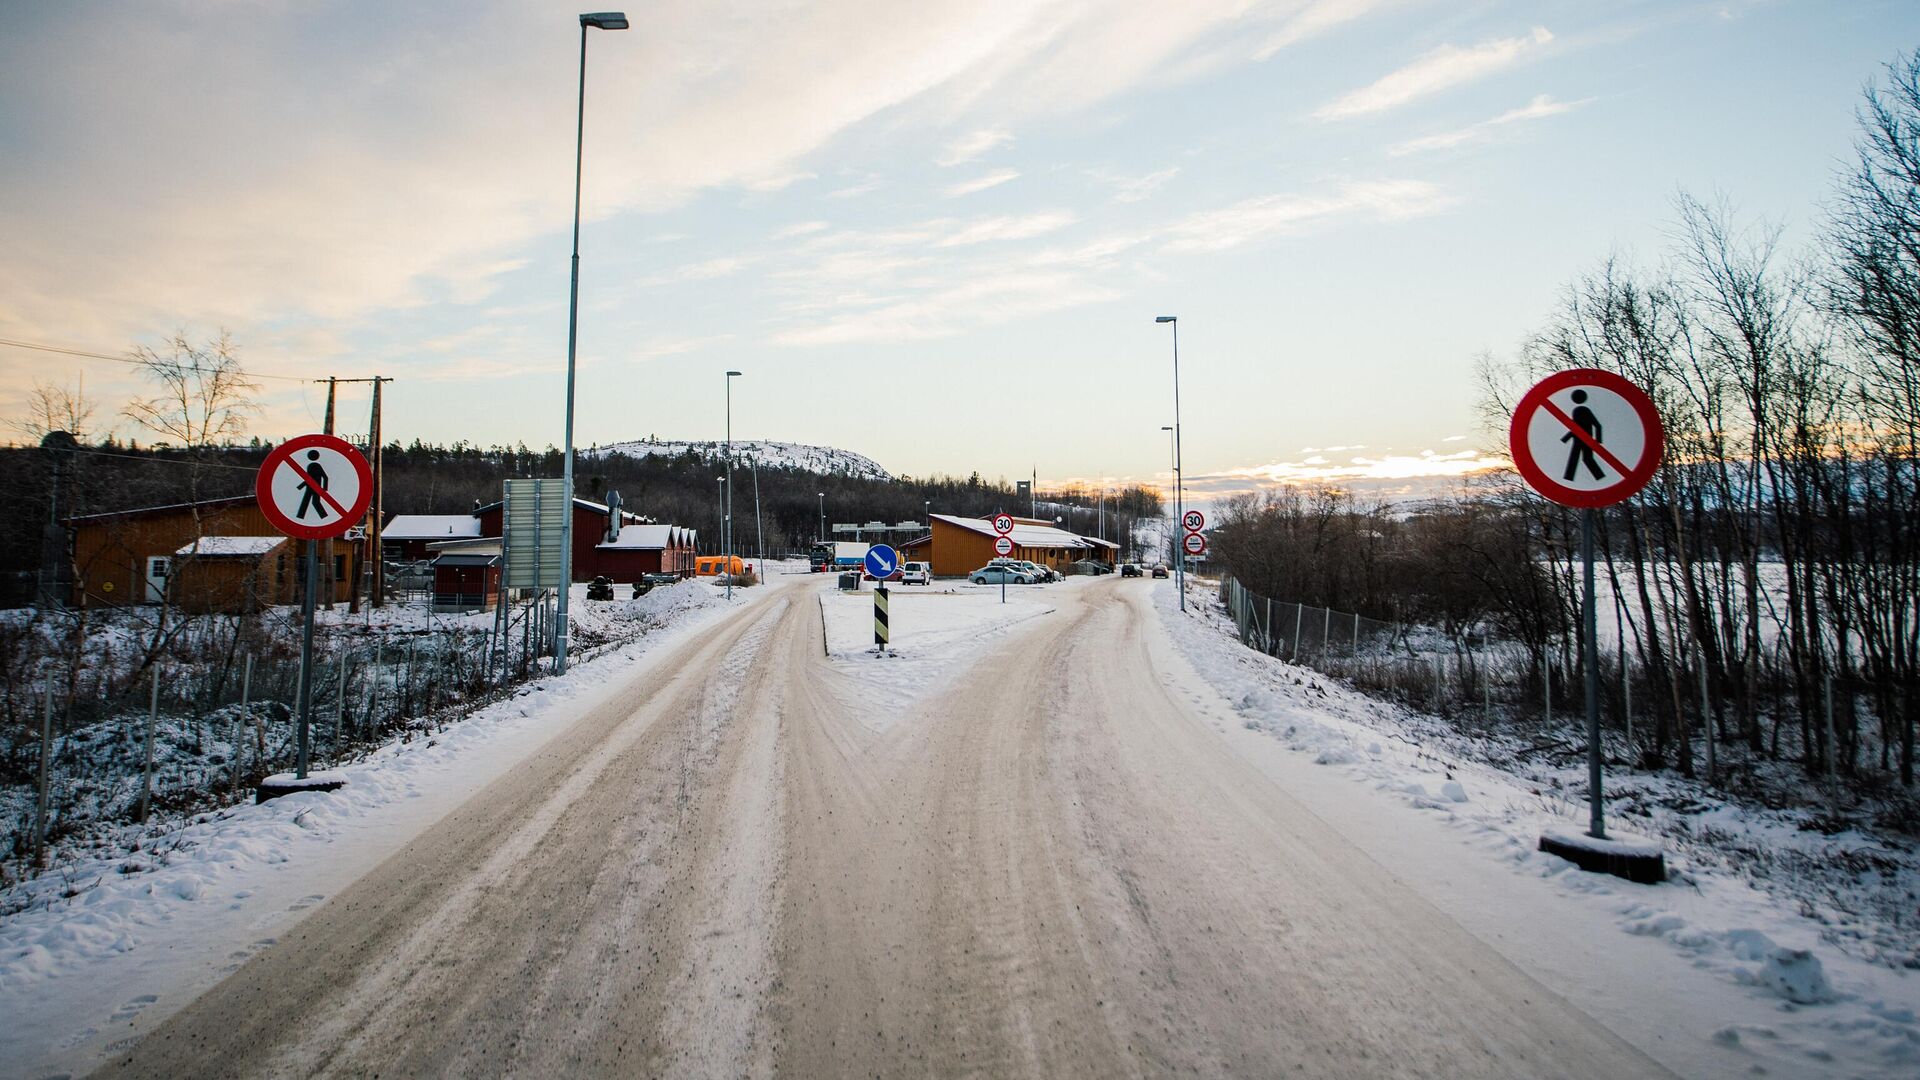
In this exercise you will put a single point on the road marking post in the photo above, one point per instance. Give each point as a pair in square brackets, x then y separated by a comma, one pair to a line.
[881, 633]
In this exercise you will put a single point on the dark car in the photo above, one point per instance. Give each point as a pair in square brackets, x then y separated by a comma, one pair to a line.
[1130, 570]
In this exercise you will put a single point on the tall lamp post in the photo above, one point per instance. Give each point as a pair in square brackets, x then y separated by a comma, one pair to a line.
[823, 517]
[726, 510]
[601, 20]
[1179, 502]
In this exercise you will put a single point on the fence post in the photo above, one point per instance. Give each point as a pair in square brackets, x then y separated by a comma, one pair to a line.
[1626, 694]
[1266, 636]
[1356, 634]
[1827, 679]
[1298, 610]
[1546, 684]
[153, 717]
[46, 762]
[1326, 635]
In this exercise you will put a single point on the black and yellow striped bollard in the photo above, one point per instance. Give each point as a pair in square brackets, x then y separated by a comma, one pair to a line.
[880, 633]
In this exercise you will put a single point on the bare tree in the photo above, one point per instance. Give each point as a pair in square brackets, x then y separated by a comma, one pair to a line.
[204, 398]
[51, 407]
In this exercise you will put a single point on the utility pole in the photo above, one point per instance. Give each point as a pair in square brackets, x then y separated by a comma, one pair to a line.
[377, 590]
[376, 512]
[326, 546]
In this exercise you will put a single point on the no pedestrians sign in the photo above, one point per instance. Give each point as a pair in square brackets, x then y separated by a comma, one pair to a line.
[1586, 438]
[314, 487]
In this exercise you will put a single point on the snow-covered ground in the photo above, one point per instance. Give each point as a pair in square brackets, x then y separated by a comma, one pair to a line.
[934, 628]
[107, 938]
[775, 455]
[1711, 973]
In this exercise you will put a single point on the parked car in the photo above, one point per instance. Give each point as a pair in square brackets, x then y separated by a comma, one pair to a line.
[1032, 569]
[1159, 569]
[1130, 570]
[899, 573]
[1092, 567]
[1000, 575]
[916, 573]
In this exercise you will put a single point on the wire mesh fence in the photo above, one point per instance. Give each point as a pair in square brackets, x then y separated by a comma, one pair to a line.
[1421, 666]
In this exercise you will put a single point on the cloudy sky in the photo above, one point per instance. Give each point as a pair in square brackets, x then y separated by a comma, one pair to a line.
[937, 234]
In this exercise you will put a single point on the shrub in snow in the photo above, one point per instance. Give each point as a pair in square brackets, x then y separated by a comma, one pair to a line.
[1336, 755]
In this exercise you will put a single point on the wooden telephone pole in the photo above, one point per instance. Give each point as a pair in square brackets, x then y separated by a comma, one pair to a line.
[377, 589]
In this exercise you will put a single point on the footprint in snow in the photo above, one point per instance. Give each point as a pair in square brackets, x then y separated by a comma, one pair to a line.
[133, 1007]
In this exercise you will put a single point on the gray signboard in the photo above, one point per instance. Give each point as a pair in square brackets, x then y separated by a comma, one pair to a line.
[534, 513]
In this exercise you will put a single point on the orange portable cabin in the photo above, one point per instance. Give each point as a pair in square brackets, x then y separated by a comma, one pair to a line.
[715, 565]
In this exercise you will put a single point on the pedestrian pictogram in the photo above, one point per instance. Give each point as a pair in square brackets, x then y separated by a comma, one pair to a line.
[314, 487]
[1003, 524]
[1194, 520]
[1586, 438]
[1003, 546]
[1195, 544]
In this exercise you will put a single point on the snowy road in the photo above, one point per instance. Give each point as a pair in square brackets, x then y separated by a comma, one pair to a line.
[1048, 867]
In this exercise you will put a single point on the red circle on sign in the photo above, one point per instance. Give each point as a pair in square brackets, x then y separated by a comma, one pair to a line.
[1195, 544]
[1003, 523]
[1003, 546]
[1194, 520]
[1632, 479]
[282, 457]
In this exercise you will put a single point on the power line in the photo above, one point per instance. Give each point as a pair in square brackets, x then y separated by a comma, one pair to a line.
[141, 363]
[164, 460]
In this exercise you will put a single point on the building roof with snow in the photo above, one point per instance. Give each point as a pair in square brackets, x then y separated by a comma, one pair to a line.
[230, 547]
[1026, 533]
[431, 527]
[649, 538]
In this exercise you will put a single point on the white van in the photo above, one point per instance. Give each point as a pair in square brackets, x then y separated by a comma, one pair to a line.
[916, 573]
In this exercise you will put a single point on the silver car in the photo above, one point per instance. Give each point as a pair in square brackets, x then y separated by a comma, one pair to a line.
[1000, 575]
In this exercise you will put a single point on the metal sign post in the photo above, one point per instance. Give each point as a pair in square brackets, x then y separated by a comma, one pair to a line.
[312, 487]
[1607, 434]
[882, 562]
[1003, 546]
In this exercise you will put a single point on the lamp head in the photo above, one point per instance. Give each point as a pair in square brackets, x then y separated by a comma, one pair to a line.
[1166, 427]
[731, 374]
[1166, 318]
[605, 20]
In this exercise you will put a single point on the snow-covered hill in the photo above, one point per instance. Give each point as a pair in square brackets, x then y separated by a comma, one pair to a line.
[777, 455]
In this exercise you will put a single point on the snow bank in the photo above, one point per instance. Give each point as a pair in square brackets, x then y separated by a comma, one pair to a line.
[1707, 972]
[112, 942]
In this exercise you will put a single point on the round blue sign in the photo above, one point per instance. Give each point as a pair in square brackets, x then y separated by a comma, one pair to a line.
[882, 561]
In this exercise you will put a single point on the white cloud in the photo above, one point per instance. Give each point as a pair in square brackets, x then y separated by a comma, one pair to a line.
[1538, 109]
[802, 228]
[1441, 69]
[1258, 218]
[973, 145]
[940, 312]
[779, 182]
[1131, 189]
[982, 183]
[1010, 227]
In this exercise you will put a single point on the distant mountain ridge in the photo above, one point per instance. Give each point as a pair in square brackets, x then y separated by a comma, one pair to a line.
[828, 460]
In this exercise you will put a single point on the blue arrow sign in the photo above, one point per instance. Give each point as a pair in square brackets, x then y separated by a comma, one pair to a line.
[882, 561]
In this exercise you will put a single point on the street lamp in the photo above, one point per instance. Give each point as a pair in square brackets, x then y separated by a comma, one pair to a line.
[823, 517]
[1179, 503]
[603, 20]
[727, 509]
